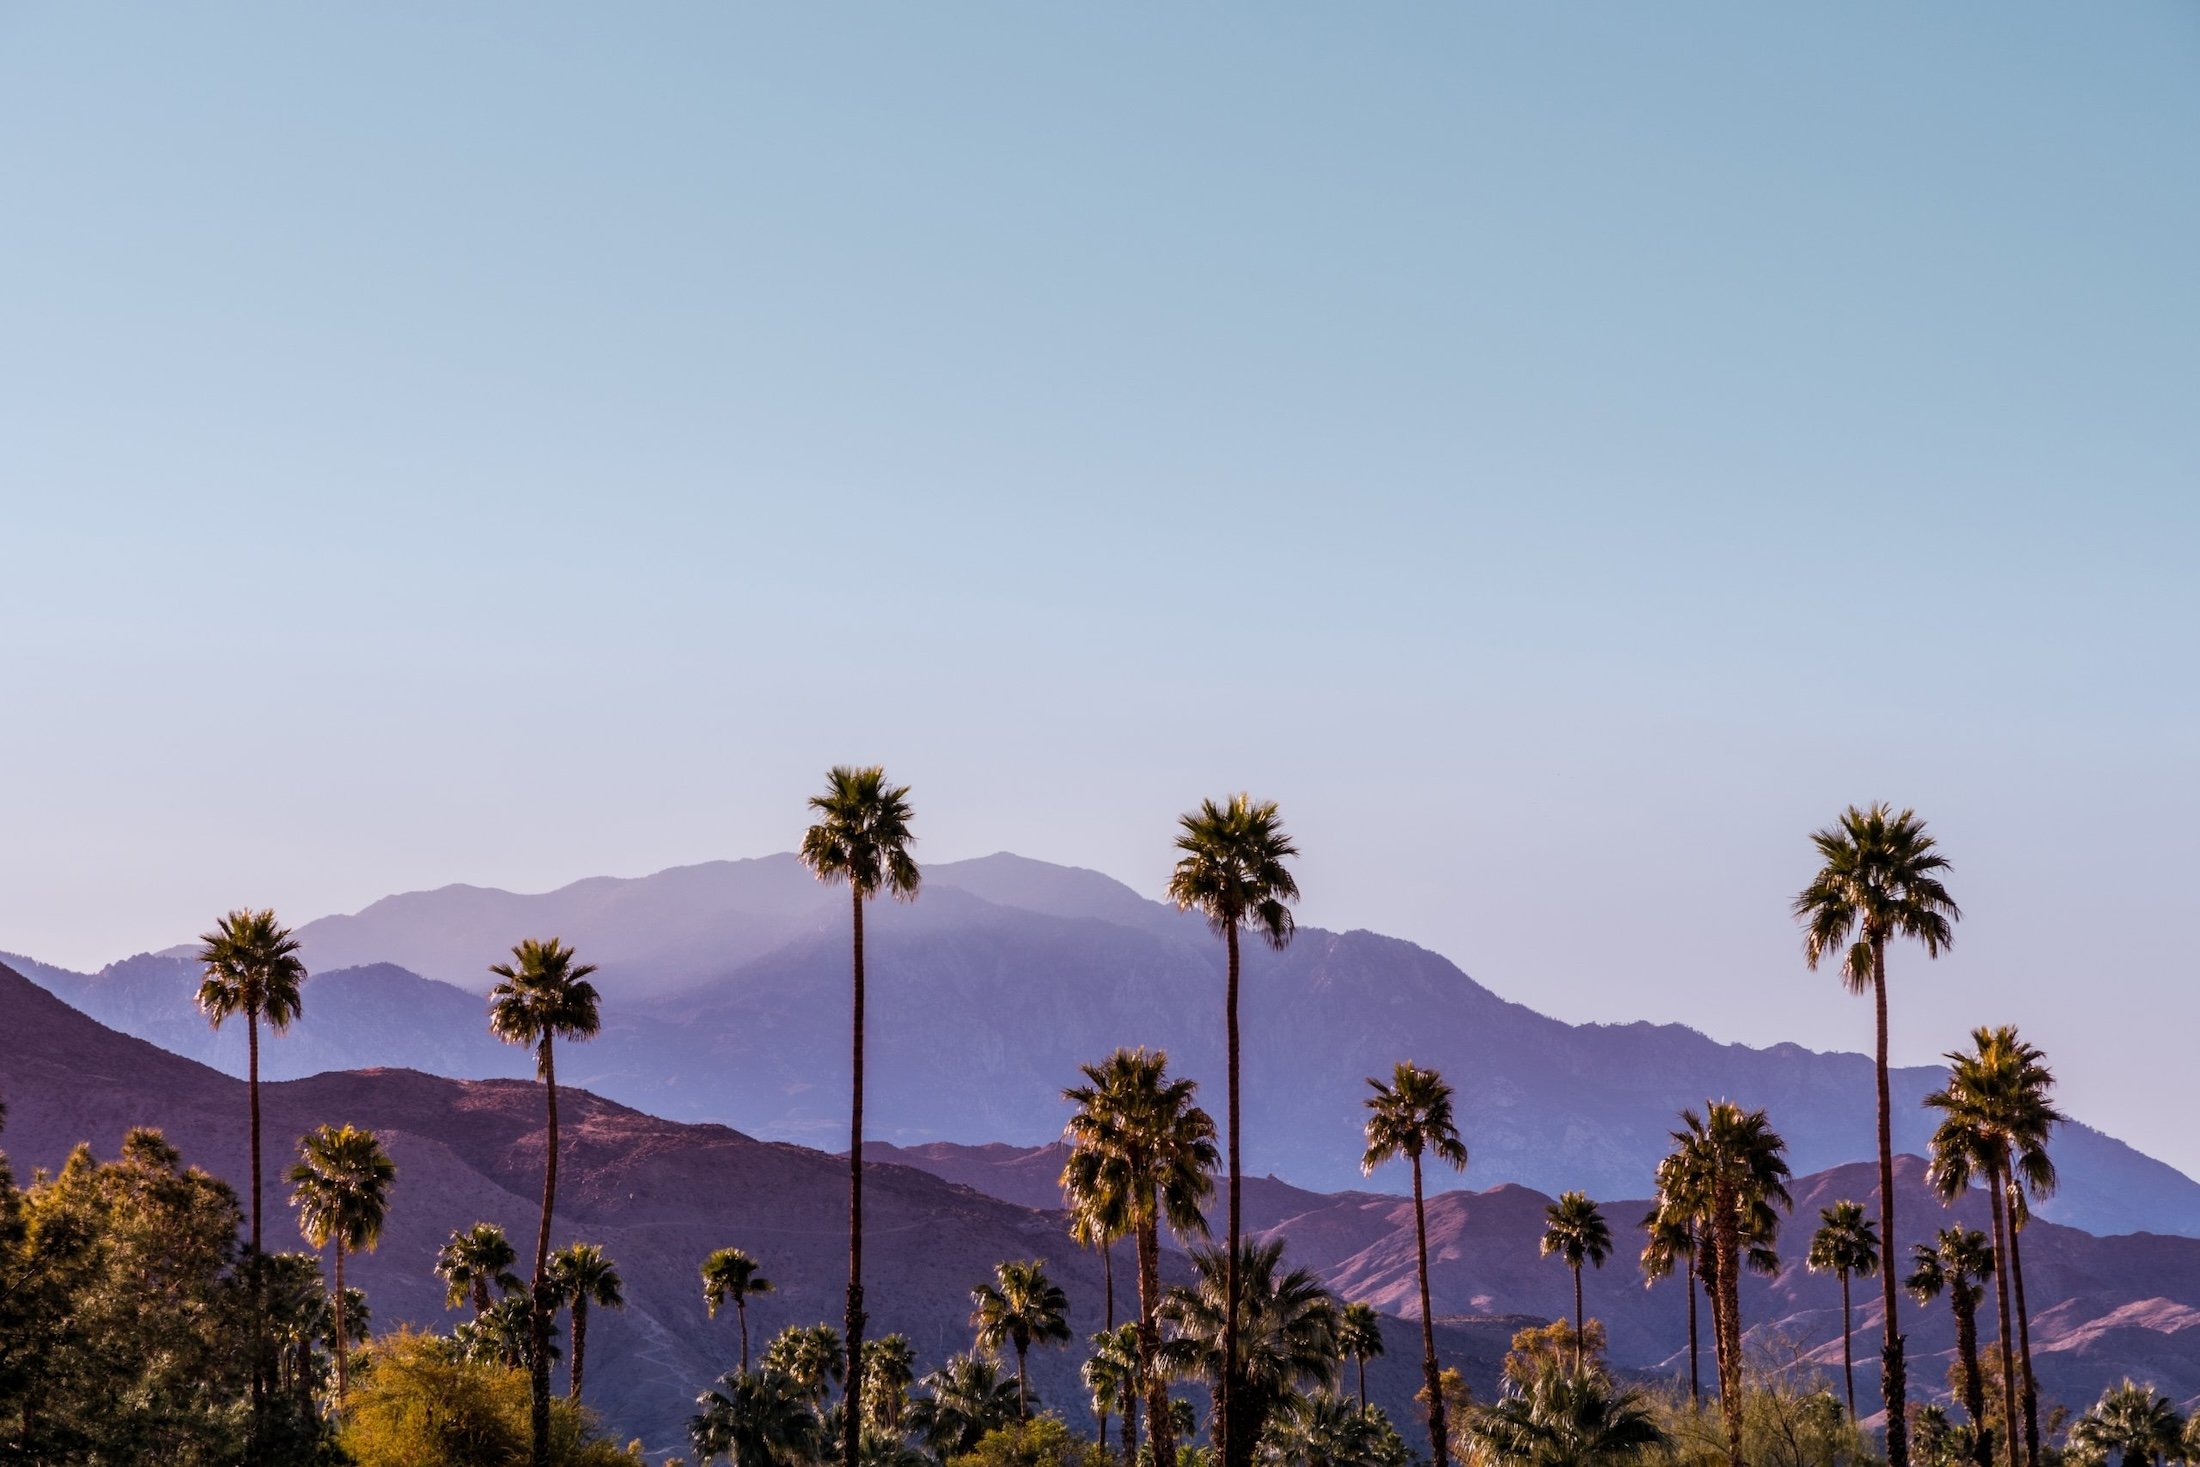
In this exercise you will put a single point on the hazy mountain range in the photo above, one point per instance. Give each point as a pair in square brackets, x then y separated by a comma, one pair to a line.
[726, 1000]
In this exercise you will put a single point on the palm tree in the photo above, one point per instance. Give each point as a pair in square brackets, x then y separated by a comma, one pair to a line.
[889, 1369]
[1286, 1332]
[1669, 1230]
[756, 1420]
[861, 837]
[1729, 1171]
[1575, 1230]
[1111, 1375]
[730, 1274]
[1360, 1336]
[1141, 1153]
[1410, 1117]
[1333, 1431]
[1996, 1118]
[1231, 867]
[1846, 1244]
[543, 995]
[341, 1188]
[251, 967]
[581, 1276]
[1879, 878]
[1957, 1262]
[1562, 1420]
[811, 1358]
[2140, 1426]
[962, 1401]
[1020, 1308]
[472, 1262]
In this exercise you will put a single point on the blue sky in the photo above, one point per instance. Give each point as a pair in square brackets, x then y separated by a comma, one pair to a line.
[1562, 453]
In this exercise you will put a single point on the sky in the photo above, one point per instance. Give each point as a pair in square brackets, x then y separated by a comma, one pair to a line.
[1564, 454]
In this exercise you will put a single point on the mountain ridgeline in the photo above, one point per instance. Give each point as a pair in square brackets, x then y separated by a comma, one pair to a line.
[725, 999]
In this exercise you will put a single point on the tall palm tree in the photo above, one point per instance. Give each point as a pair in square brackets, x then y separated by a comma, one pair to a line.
[1574, 1230]
[811, 1357]
[541, 996]
[1286, 1333]
[1411, 1117]
[1731, 1171]
[1561, 1420]
[755, 1420]
[341, 1188]
[1879, 878]
[1669, 1230]
[730, 1274]
[1020, 1308]
[251, 967]
[1957, 1263]
[1996, 1118]
[1111, 1375]
[861, 837]
[1846, 1245]
[1360, 1336]
[1232, 868]
[2135, 1422]
[472, 1262]
[1142, 1153]
[582, 1277]
[962, 1401]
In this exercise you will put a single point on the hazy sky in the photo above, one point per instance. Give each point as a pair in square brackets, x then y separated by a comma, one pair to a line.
[1563, 453]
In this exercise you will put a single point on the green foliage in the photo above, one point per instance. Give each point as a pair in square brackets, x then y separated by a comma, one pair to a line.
[1564, 1418]
[1286, 1336]
[962, 1402]
[862, 833]
[1332, 1431]
[2135, 1422]
[418, 1402]
[1043, 1441]
[810, 1358]
[1789, 1415]
[252, 968]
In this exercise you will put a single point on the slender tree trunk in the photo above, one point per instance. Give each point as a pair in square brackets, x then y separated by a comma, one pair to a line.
[1695, 1377]
[481, 1297]
[1023, 1389]
[1226, 1443]
[852, 1444]
[259, 1272]
[2025, 1384]
[1580, 1343]
[538, 1317]
[1974, 1382]
[1160, 1431]
[1893, 1373]
[580, 1342]
[1727, 1321]
[1848, 1364]
[1432, 1379]
[2001, 1318]
[1362, 1359]
[741, 1312]
[343, 1334]
[1107, 1277]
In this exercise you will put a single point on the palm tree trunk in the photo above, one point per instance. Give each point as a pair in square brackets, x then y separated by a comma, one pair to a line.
[538, 1317]
[1726, 1319]
[343, 1335]
[2026, 1385]
[580, 1342]
[1226, 1444]
[852, 1444]
[1695, 1376]
[1160, 1431]
[1893, 1385]
[1974, 1383]
[259, 1280]
[1432, 1379]
[1578, 1323]
[1848, 1365]
[1107, 1276]
[2001, 1318]
[1362, 1359]
[741, 1311]
[481, 1297]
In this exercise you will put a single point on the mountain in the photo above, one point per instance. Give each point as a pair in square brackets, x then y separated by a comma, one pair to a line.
[726, 1000]
[656, 1194]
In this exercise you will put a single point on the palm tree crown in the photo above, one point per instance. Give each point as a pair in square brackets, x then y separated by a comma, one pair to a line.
[2134, 1421]
[341, 1190]
[473, 1262]
[1287, 1332]
[581, 1278]
[862, 833]
[731, 1275]
[1360, 1337]
[1562, 1420]
[543, 995]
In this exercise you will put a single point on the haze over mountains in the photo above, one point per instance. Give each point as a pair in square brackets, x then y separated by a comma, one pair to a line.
[725, 991]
